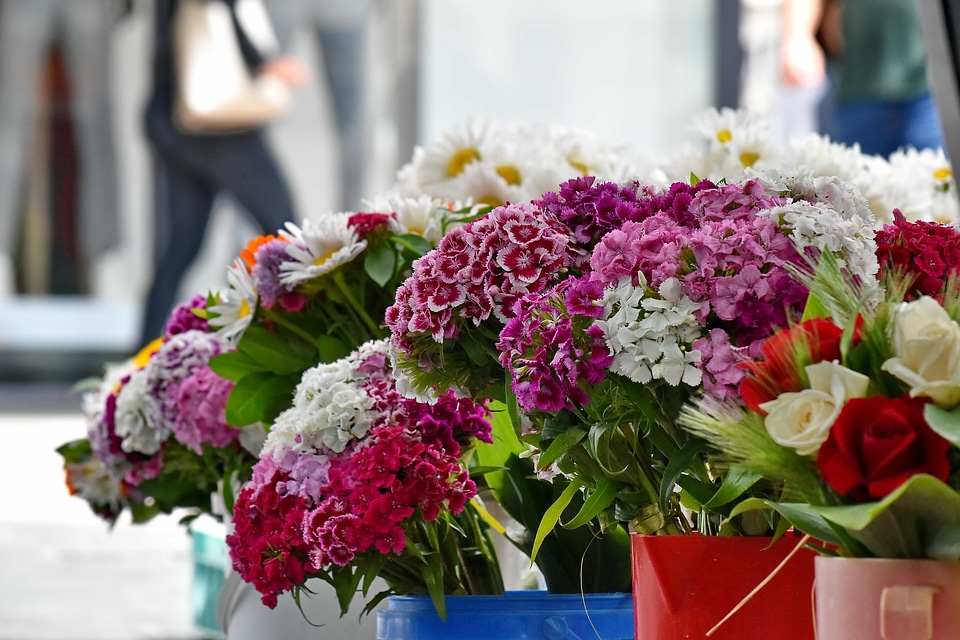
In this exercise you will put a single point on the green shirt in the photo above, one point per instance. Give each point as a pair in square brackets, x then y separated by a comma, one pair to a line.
[883, 54]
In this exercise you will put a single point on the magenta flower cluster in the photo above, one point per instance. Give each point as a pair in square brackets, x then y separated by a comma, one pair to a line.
[553, 350]
[480, 270]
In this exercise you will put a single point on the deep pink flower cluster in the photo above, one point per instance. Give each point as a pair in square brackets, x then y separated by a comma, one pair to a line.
[926, 253]
[406, 469]
[201, 401]
[267, 547]
[480, 270]
[553, 350]
[369, 223]
[372, 491]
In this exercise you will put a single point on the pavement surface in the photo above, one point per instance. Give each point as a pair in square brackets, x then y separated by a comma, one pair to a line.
[64, 575]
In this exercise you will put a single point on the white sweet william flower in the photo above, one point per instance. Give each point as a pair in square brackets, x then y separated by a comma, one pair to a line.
[138, 419]
[926, 341]
[649, 336]
[802, 420]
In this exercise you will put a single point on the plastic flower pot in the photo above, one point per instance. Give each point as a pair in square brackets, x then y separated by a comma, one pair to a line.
[517, 615]
[892, 599]
[684, 585]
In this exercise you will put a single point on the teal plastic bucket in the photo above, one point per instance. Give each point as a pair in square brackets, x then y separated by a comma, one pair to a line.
[518, 615]
[209, 571]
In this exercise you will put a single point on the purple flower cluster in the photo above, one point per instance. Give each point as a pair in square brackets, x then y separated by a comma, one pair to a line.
[553, 350]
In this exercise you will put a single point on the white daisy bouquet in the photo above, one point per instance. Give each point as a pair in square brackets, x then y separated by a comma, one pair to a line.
[856, 411]
[733, 144]
[493, 163]
[356, 481]
[157, 434]
[608, 306]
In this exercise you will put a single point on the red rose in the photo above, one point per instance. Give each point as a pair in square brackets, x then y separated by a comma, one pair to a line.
[877, 444]
[785, 354]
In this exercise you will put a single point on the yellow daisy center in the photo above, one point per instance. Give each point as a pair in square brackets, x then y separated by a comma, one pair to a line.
[461, 159]
[244, 310]
[490, 201]
[143, 356]
[724, 135]
[579, 166]
[748, 158]
[943, 173]
[510, 174]
[319, 261]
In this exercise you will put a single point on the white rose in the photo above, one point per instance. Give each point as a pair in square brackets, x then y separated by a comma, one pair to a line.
[926, 341]
[802, 420]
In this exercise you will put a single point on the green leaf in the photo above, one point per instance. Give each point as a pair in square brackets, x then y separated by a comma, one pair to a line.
[814, 308]
[259, 398]
[282, 353]
[945, 423]
[735, 483]
[601, 498]
[433, 578]
[76, 450]
[329, 349]
[234, 365]
[677, 465]
[505, 442]
[414, 242]
[380, 263]
[552, 515]
[560, 445]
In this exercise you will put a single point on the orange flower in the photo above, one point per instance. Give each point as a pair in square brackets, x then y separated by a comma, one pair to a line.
[249, 254]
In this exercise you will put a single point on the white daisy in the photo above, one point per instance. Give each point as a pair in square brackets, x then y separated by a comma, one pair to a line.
[236, 304]
[319, 247]
[480, 183]
[423, 215]
[457, 148]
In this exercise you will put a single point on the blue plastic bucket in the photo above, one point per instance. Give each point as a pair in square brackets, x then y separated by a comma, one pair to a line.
[518, 615]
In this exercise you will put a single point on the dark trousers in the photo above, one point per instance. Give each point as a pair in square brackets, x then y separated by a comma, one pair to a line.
[190, 172]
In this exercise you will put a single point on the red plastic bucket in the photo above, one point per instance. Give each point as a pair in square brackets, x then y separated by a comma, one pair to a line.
[684, 585]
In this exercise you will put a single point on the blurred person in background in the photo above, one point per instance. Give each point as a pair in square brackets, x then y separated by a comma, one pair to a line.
[28, 29]
[874, 55]
[190, 171]
[339, 29]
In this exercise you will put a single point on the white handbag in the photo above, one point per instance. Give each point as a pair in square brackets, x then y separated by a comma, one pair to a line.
[215, 91]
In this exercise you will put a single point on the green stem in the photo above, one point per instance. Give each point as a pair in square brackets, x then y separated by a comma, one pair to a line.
[375, 330]
[286, 324]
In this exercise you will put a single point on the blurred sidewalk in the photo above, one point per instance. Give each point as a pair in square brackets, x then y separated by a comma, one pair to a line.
[65, 575]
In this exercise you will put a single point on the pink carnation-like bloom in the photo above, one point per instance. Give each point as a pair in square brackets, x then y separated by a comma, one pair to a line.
[201, 401]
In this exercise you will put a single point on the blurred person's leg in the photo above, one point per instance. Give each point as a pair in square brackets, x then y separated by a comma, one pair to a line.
[86, 28]
[245, 168]
[341, 28]
[183, 203]
[871, 124]
[343, 47]
[25, 30]
[921, 123]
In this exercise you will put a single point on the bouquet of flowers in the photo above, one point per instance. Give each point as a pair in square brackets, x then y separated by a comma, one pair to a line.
[313, 293]
[157, 432]
[855, 412]
[608, 306]
[355, 481]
